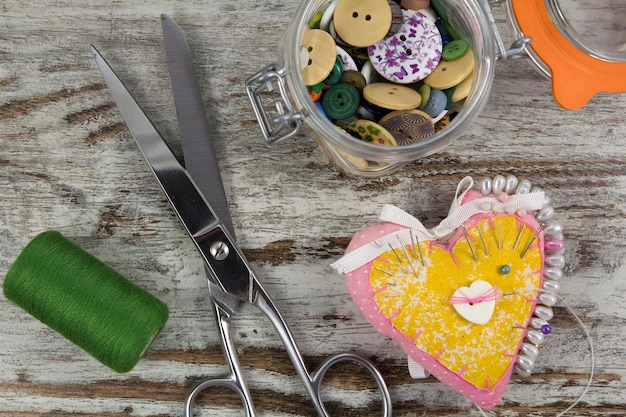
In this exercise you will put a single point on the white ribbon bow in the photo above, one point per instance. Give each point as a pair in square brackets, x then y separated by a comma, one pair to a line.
[417, 232]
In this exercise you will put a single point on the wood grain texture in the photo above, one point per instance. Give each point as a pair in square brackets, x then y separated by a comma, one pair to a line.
[69, 163]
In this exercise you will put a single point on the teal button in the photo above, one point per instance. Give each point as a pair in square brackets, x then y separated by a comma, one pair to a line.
[335, 75]
[341, 101]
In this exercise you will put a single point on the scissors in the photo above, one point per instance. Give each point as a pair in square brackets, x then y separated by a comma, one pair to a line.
[196, 194]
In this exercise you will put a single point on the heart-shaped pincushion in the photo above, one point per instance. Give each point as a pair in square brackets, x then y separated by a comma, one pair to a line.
[411, 294]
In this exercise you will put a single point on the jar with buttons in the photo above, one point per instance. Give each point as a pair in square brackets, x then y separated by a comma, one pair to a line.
[380, 83]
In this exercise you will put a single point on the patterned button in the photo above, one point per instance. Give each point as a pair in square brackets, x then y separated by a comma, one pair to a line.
[341, 101]
[442, 123]
[412, 53]
[362, 22]
[322, 52]
[450, 73]
[348, 61]
[371, 132]
[408, 126]
[392, 96]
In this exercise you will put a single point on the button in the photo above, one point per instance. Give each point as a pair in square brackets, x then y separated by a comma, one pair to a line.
[346, 59]
[442, 123]
[315, 91]
[396, 18]
[335, 75]
[441, 11]
[450, 73]
[371, 132]
[454, 50]
[392, 96]
[362, 22]
[327, 17]
[354, 78]
[322, 52]
[370, 74]
[415, 4]
[446, 38]
[341, 101]
[411, 54]
[437, 103]
[408, 126]
[314, 23]
[462, 90]
[448, 92]
[424, 91]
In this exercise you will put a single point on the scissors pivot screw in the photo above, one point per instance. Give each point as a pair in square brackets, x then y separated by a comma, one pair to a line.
[219, 250]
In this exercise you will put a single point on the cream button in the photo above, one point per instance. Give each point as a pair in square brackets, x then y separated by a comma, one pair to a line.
[392, 96]
[451, 73]
[322, 52]
[462, 90]
[362, 22]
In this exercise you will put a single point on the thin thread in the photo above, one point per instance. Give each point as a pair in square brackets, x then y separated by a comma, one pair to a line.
[592, 366]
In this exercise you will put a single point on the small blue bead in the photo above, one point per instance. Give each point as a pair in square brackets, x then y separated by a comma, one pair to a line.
[505, 269]
[546, 329]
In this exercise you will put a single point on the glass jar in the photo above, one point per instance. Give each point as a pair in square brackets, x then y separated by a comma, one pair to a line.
[284, 114]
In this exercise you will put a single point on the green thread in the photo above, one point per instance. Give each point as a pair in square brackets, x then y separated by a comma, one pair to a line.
[85, 300]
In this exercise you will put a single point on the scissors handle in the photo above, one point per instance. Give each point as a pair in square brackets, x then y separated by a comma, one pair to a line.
[313, 382]
[235, 381]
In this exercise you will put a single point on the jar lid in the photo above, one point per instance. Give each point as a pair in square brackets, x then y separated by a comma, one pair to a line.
[584, 52]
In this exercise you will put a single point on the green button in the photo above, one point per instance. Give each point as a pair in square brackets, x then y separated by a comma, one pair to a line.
[335, 75]
[424, 91]
[441, 11]
[454, 50]
[341, 101]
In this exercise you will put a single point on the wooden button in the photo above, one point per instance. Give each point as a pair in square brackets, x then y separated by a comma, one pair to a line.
[463, 89]
[408, 126]
[451, 73]
[362, 22]
[415, 4]
[392, 96]
[322, 52]
[412, 53]
[371, 132]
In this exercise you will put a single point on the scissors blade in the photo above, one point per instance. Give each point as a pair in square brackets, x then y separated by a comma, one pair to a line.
[224, 260]
[198, 151]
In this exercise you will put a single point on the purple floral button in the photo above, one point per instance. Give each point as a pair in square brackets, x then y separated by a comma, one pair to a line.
[412, 53]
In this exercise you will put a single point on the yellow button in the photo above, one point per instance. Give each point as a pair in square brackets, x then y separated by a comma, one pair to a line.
[392, 96]
[451, 73]
[371, 132]
[362, 22]
[463, 89]
[322, 54]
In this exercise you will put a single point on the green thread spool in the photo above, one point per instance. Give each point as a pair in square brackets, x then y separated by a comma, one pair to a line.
[85, 300]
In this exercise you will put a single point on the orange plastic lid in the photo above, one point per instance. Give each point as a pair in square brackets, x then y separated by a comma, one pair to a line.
[576, 75]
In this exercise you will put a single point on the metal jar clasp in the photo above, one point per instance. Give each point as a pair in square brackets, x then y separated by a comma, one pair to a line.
[277, 116]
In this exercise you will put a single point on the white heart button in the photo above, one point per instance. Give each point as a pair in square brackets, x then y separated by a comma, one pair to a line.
[476, 302]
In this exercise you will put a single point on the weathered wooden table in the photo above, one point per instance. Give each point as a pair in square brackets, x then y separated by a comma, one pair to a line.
[69, 163]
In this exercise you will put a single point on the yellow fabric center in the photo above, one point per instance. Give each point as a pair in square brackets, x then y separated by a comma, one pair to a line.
[413, 286]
